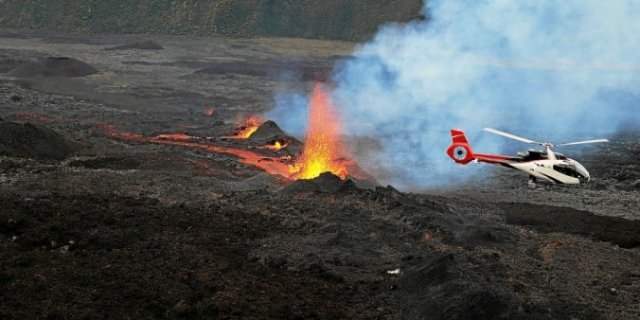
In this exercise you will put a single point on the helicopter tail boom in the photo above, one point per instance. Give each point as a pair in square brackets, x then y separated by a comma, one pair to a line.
[460, 151]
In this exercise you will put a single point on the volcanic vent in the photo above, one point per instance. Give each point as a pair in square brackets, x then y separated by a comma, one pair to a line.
[323, 150]
[263, 145]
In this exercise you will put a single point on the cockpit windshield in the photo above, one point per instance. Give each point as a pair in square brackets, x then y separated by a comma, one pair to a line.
[569, 169]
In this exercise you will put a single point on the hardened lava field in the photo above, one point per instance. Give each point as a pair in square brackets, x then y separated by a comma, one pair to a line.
[136, 182]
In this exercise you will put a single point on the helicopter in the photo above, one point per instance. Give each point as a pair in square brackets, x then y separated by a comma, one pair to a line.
[541, 165]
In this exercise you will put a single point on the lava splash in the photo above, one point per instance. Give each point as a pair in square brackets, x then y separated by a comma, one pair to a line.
[323, 149]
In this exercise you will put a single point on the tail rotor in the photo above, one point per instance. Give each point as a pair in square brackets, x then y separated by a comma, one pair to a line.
[460, 150]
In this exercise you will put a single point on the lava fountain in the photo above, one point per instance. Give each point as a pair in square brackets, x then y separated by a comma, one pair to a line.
[323, 149]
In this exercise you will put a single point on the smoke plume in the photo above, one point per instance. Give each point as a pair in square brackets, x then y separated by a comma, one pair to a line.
[548, 70]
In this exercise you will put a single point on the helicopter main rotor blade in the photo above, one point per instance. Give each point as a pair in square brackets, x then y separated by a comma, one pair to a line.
[582, 142]
[511, 136]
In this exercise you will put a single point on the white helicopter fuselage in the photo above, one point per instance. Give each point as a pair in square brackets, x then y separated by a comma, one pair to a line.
[566, 171]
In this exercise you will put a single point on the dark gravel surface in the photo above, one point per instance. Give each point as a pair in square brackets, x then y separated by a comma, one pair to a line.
[117, 229]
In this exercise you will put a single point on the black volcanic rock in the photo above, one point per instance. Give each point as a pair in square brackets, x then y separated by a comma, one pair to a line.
[544, 218]
[325, 183]
[54, 67]
[140, 45]
[292, 70]
[247, 68]
[434, 272]
[12, 58]
[635, 149]
[7, 65]
[32, 141]
[269, 133]
[267, 130]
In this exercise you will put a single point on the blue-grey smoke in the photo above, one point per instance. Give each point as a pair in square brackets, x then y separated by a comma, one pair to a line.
[548, 70]
[290, 112]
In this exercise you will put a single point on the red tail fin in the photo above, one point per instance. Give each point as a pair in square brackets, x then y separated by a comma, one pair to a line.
[460, 150]
[458, 136]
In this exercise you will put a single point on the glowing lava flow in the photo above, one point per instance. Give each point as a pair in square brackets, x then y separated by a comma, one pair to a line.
[323, 150]
[247, 128]
[276, 146]
[274, 166]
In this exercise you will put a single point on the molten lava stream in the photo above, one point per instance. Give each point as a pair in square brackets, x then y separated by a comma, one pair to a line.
[323, 148]
[276, 146]
[270, 165]
[247, 128]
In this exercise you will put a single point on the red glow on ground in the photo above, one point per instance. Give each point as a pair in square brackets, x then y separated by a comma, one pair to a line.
[275, 166]
[209, 111]
[276, 146]
[173, 136]
[37, 117]
[246, 128]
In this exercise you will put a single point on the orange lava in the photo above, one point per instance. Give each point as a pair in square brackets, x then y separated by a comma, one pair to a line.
[275, 166]
[276, 146]
[323, 149]
[247, 128]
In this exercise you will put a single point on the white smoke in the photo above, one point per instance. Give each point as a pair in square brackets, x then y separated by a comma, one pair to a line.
[549, 70]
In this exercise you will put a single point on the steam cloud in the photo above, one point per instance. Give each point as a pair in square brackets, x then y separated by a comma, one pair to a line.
[549, 70]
